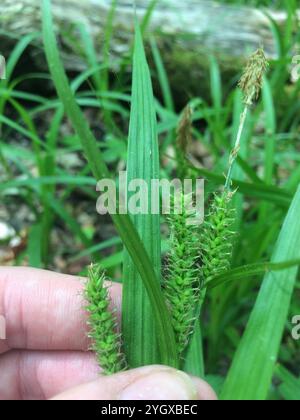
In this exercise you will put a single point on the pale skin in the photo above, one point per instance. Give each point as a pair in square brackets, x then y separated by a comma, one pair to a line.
[45, 354]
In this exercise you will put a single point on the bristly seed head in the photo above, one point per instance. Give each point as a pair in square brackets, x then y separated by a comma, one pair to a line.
[217, 237]
[183, 141]
[252, 78]
[182, 283]
[106, 341]
[184, 129]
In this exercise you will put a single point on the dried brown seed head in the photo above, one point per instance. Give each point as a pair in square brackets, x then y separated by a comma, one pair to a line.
[252, 78]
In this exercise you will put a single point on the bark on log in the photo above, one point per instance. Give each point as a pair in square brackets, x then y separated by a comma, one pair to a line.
[187, 32]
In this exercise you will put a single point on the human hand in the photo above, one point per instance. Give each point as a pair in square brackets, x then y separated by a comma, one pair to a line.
[45, 354]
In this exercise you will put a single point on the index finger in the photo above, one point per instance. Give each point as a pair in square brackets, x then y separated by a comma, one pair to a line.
[44, 310]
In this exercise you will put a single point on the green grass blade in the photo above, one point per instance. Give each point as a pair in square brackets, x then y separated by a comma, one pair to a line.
[217, 97]
[96, 248]
[162, 76]
[280, 196]
[216, 86]
[100, 78]
[34, 250]
[17, 52]
[194, 363]
[59, 209]
[270, 144]
[270, 123]
[108, 33]
[251, 372]
[11, 63]
[122, 223]
[90, 53]
[143, 163]
[290, 387]
[243, 273]
[147, 16]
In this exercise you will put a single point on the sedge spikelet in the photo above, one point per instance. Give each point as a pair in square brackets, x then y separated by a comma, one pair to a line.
[217, 237]
[252, 78]
[183, 140]
[250, 84]
[106, 342]
[181, 284]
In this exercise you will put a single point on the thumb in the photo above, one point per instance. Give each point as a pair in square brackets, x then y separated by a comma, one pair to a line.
[146, 383]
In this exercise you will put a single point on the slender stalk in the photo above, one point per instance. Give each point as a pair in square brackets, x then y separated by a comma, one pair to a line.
[235, 150]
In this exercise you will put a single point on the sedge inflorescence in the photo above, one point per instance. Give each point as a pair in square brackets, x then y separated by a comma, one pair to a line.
[181, 283]
[252, 78]
[197, 253]
[106, 341]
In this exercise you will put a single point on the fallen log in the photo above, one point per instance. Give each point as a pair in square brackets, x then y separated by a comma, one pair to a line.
[186, 32]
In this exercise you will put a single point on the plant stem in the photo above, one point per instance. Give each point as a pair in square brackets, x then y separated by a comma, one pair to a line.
[250, 84]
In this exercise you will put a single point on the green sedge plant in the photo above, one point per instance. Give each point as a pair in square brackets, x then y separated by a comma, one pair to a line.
[161, 316]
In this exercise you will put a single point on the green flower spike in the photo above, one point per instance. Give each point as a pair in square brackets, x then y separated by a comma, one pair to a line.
[106, 341]
[182, 281]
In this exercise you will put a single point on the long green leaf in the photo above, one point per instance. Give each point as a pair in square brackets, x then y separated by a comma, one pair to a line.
[276, 195]
[162, 76]
[251, 372]
[290, 387]
[242, 273]
[194, 363]
[122, 222]
[143, 163]
[34, 246]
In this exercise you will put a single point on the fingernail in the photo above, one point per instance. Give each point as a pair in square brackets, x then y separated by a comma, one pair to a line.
[161, 385]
